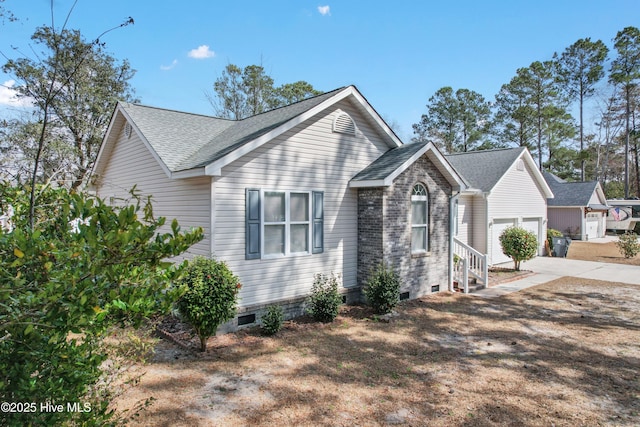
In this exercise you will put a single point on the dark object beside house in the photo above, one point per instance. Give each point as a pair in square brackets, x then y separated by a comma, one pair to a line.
[560, 246]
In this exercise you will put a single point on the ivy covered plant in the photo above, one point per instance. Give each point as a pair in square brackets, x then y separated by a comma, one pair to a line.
[210, 298]
[84, 266]
[324, 302]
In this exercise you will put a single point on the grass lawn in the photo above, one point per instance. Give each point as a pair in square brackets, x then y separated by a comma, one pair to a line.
[566, 353]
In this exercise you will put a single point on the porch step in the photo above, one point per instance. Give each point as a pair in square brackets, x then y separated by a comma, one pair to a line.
[474, 286]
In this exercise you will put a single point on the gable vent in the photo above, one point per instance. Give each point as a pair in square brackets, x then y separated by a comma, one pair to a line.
[343, 123]
[127, 130]
[520, 165]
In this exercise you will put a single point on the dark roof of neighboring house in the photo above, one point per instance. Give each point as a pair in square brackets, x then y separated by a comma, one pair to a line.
[185, 141]
[571, 193]
[386, 164]
[483, 169]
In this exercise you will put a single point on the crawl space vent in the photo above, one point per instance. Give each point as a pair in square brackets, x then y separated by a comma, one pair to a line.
[246, 320]
[343, 123]
[404, 296]
[435, 288]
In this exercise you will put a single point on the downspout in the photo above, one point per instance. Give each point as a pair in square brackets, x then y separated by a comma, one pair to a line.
[452, 201]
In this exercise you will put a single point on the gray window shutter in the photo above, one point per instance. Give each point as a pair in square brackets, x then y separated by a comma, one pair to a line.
[318, 222]
[252, 228]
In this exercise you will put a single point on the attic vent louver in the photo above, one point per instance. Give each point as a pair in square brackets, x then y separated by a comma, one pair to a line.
[520, 165]
[127, 130]
[343, 123]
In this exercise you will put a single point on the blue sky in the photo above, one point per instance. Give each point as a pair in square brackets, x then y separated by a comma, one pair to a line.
[397, 53]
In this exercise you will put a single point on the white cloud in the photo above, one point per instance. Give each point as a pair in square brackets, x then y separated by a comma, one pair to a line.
[169, 67]
[202, 52]
[8, 95]
[324, 10]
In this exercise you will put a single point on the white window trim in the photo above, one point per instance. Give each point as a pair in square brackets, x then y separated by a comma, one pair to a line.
[287, 224]
[425, 199]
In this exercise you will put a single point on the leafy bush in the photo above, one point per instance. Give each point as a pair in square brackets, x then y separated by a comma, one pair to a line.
[62, 287]
[519, 244]
[324, 302]
[272, 320]
[382, 290]
[210, 298]
[551, 233]
[628, 245]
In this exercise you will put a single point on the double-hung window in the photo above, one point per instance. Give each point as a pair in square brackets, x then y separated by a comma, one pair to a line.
[282, 223]
[419, 219]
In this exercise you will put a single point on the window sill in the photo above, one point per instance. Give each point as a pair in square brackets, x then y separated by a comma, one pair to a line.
[284, 256]
[420, 254]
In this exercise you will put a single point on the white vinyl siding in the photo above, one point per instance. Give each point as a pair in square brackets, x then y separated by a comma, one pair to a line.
[130, 162]
[309, 157]
[517, 196]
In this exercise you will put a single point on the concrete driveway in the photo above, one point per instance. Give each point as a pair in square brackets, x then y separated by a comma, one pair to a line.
[547, 269]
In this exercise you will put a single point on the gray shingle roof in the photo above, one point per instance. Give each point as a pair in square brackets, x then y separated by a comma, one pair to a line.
[483, 169]
[386, 164]
[569, 193]
[185, 141]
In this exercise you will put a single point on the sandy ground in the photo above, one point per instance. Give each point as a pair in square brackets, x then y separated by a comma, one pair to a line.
[566, 353]
[601, 252]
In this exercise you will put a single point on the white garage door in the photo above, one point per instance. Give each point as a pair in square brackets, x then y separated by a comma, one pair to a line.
[592, 225]
[532, 225]
[499, 225]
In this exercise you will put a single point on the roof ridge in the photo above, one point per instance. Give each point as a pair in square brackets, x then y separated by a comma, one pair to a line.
[171, 110]
[491, 150]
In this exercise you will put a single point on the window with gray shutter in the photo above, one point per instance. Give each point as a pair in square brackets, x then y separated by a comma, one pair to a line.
[252, 229]
[318, 222]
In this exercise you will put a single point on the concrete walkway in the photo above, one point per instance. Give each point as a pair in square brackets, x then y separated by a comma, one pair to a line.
[547, 269]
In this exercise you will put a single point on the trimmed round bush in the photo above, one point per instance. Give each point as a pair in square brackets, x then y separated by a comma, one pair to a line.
[519, 244]
[210, 298]
[324, 302]
[272, 320]
[382, 290]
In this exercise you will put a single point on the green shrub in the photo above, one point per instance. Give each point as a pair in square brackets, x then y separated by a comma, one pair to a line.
[519, 244]
[210, 298]
[62, 289]
[382, 290]
[551, 233]
[272, 320]
[324, 302]
[628, 245]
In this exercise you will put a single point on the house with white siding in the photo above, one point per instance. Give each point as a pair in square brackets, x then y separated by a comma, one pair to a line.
[579, 209]
[505, 188]
[319, 186]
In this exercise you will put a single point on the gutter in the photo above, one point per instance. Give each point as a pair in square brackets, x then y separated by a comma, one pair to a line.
[453, 198]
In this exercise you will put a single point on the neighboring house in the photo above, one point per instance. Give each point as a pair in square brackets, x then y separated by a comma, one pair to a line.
[578, 210]
[320, 186]
[505, 189]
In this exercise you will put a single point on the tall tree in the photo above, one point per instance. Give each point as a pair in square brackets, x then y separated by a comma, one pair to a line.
[580, 68]
[243, 92]
[456, 122]
[514, 121]
[73, 86]
[625, 71]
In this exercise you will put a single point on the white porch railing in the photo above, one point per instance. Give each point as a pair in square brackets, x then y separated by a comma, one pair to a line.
[468, 262]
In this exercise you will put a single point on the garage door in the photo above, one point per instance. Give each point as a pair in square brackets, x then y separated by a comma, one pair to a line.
[499, 225]
[592, 225]
[533, 225]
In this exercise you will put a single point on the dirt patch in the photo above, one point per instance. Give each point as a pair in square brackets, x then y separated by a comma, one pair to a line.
[565, 353]
[600, 252]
